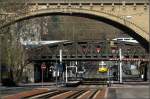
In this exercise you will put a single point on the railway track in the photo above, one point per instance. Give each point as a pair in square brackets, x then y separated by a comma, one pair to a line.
[71, 93]
[94, 83]
[46, 95]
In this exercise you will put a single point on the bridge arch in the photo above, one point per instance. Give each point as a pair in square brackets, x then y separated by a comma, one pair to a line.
[130, 28]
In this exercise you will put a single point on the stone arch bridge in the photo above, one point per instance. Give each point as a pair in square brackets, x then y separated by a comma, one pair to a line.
[131, 16]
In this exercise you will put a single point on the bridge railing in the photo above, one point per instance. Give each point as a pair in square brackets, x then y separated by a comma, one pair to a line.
[77, 1]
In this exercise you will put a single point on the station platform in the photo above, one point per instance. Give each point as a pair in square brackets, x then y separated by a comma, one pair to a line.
[72, 83]
[122, 91]
[37, 84]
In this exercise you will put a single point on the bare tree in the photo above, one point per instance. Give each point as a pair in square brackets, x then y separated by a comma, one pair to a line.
[14, 56]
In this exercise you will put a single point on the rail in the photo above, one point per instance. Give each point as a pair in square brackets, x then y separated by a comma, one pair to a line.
[46, 95]
[76, 94]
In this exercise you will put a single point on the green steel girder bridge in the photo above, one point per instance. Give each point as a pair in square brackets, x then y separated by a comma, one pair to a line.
[88, 51]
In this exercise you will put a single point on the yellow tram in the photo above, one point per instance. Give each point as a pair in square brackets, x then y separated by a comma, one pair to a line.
[102, 67]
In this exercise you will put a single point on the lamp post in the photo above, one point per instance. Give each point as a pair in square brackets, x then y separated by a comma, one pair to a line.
[60, 60]
[57, 68]
[120, 65]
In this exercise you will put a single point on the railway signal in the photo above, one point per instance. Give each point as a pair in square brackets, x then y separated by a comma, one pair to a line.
[98, 49]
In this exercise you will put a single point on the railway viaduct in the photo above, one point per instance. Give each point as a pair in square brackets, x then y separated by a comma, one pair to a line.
[131, 16]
